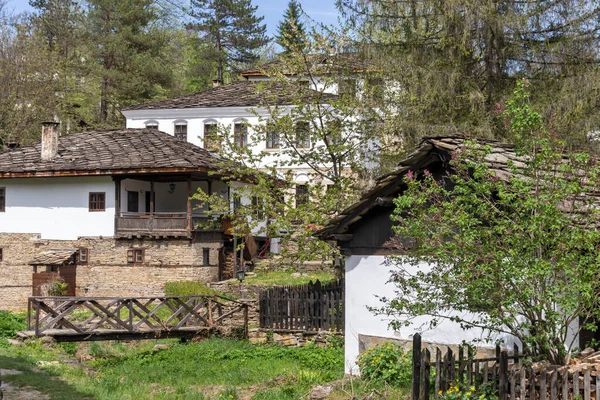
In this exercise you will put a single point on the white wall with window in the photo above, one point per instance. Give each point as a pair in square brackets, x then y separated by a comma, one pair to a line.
[59, 208]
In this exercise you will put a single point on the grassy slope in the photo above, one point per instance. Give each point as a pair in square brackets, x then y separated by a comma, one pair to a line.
[216, 367]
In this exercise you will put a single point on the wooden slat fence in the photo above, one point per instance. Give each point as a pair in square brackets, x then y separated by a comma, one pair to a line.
[310, 307]
[505, 374]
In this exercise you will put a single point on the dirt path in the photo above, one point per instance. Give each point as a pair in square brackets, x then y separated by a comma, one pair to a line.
[23, 393]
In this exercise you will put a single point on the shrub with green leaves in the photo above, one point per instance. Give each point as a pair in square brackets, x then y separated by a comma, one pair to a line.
[466, 392]
[388, 363]
[190, 288]
[11, 323]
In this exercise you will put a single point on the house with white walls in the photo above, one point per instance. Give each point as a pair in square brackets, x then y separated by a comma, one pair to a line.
[363, 233]
[110, 212]
[233, 112]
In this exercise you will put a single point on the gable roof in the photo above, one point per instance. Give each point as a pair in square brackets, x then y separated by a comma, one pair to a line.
[239, 94]
[122, 151]
[54, 257]
[433, 149]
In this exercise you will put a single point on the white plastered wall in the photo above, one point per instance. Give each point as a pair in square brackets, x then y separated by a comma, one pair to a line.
[57, 208]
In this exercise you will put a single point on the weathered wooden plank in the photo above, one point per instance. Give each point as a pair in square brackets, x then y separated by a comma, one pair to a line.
[587, 387]
[554, 385]
[543, 386]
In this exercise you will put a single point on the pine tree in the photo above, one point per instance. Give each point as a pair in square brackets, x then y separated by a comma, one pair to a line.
[290, 31]
[233, 28]
[131, 50]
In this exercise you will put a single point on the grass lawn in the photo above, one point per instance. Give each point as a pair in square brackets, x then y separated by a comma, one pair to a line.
[212, 369]
[286, 278]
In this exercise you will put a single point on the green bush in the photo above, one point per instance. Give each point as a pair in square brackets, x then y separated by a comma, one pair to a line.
[190, 288]
[465, 392]
[11, 323]
[388, 363]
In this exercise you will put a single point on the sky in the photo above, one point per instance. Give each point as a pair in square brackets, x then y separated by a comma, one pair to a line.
[321, 11]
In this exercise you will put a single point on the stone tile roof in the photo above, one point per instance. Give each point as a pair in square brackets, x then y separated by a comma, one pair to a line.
[53, 257]
[343, 62]
[239, 94]
[430, 151]
[109, 152]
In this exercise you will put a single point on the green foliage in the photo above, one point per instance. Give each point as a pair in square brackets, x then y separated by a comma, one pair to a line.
[464, 392]
[12, 322]
[388, 363]
[286, 278]
[57, 287]
[513, 255]
[291, 35]
[190, 288]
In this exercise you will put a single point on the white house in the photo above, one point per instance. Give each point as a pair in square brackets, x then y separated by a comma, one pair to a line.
[362, 232]
[117, 205]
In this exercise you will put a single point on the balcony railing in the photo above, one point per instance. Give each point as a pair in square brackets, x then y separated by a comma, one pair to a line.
[157, 223]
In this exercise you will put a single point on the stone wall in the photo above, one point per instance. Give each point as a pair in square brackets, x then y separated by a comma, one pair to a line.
[107, 272]
[293, 338]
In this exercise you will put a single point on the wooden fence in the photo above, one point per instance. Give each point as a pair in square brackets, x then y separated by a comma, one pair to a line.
[505, 374]
[101, 318]
[310, 307]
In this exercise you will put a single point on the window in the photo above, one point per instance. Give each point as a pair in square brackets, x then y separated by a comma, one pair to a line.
[135, 256]
[211, 137]
[1, 254]
[205, 256]
[82, 255]
[375, 88]
[272, 137]
[2, 199]
[152, 125]
[301, 195]
[302, 134]
[97, 201]
[240, 134]
[133, 201]
[181, 132]
[347, 87]
[258, 207]
[237, 202]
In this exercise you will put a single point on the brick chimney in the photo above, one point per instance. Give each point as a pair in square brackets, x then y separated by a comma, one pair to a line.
[49, 140]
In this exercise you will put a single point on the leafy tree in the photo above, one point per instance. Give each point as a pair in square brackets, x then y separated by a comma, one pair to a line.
[290, 32]
[232, 27]
[328, 138]
[458, 61]
[519, 253]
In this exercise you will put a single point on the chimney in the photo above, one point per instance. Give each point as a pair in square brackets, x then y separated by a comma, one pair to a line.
[216, 83]
[49, 140]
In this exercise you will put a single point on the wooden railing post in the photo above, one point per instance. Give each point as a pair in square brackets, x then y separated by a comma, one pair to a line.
[503, 378]
[246, 321]
[209, 313]
[416, 367]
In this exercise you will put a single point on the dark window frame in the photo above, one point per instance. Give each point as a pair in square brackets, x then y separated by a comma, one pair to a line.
[81, 258]
[302, 196]
[181, 132]
[240, 134]
[2, 199]
[206, 256]
[1, 254]
[96, 203]
[132, 256]
[151, 125]
[302, 130]
[211, 136]
[273, 141]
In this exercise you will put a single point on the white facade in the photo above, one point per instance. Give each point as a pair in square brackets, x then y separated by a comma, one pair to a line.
[57, 208]
[366, 281]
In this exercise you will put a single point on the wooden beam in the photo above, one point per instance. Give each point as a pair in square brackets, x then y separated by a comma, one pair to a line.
[189, 204]
[152, 207]
[385, 201]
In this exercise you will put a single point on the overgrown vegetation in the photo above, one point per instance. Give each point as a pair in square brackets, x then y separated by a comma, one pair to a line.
[204, 370]
[191, 288]
[10, 323]
[387, 363]
[286, 278]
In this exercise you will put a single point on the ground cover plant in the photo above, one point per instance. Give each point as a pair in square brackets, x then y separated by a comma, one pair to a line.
[211, 369]
[269, 278]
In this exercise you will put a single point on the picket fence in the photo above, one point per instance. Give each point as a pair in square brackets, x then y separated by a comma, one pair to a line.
[504, 374]
[310, 307]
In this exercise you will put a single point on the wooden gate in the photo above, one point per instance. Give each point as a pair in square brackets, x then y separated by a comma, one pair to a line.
[67, 272]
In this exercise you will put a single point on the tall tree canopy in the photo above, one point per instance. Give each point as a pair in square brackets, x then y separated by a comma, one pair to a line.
[291, 35]
[233, 28]
[457, 61]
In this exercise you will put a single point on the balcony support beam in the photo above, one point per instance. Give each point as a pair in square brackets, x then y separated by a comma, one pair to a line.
[189, 203]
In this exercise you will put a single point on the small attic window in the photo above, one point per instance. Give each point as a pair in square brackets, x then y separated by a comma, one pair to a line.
[151, 125]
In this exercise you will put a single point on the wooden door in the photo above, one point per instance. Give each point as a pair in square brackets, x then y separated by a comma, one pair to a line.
[133, 201]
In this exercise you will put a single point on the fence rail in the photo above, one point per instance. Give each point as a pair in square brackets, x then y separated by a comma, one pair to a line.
[310, 307]
[104, 316]
[505, 374]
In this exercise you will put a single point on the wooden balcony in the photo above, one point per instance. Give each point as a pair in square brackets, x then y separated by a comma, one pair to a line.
[157, 224]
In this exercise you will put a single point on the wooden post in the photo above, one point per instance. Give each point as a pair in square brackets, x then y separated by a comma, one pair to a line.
[189, 204]
[246, 321]
[426, 374]
[117, 202]
[416, 366]
[152, 205]
[503, 372]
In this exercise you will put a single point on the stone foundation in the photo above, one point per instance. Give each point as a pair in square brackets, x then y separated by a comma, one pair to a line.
[292, 338]
[107, 272]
